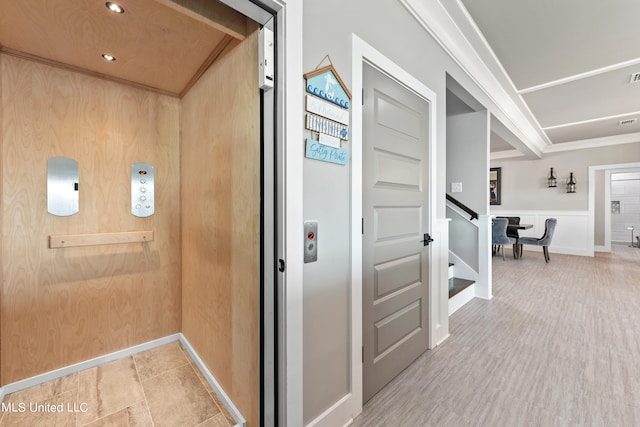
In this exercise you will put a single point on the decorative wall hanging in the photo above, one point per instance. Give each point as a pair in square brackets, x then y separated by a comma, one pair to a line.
[552, 179]
[495, 186]
[327, 107]
[571, 183]
[615, 206]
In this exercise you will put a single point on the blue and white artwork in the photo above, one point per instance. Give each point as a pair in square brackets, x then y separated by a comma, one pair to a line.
[325, 153]
[327, 86]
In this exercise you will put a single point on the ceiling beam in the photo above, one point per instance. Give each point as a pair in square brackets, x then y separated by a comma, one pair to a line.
[214, 13]
[606, 141]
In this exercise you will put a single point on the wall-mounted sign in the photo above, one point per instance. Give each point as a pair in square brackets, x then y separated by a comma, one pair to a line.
[325, 109]
[327, 106]
[326, 153]
[327, 84]
[327, 127]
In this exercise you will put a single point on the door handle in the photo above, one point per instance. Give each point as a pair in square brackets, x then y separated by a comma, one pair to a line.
[427, 239]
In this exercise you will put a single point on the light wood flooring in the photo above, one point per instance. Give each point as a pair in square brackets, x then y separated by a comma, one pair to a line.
[159, 387]
[558, 345]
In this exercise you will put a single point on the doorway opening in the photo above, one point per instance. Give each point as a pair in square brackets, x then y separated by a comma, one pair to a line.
[112, 115]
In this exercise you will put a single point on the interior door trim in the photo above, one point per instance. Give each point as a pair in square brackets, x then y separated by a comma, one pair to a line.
[363, 52]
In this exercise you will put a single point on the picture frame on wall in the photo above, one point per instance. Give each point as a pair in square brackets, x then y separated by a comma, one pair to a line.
[495, 186]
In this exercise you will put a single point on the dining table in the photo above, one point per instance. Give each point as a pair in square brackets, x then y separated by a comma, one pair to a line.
[519, 226]
[517, 247]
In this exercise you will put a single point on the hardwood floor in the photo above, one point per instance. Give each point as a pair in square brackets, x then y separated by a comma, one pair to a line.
[558, 345]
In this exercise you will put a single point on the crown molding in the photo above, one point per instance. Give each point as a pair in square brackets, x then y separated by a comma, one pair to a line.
[606, 141]
[439, 23]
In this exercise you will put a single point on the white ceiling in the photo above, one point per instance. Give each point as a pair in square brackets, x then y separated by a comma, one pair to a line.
[563, 66]
[570, 61]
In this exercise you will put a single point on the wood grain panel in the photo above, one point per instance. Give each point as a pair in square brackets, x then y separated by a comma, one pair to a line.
[67, 305]
[155, 45]
[1, 216]
[214, 13]
[220, 223]
[95, 239]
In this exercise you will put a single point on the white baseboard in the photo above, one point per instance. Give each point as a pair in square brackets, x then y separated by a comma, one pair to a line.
[558, 250]
[441, 341]
[101, 360]
[87, 364]
[461, 298]
[240, 421]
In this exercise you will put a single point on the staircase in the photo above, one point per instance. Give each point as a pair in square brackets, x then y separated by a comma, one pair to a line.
[461, 291]
[463, 253]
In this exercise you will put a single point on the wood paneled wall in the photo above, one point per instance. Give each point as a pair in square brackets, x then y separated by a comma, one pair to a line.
[1, 212]
[220, 223]
[62, 306]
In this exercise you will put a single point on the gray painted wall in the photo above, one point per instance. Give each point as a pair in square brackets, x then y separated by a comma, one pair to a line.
[327, 29]
[524, 181]
[467, 158]
[328, 25]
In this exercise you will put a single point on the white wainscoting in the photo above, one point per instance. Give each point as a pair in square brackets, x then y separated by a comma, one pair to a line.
[571, 236]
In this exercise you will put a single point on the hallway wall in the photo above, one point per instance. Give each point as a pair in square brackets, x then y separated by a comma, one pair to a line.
[63, 306]
[327, 283]
[524, 181]
[468, 158]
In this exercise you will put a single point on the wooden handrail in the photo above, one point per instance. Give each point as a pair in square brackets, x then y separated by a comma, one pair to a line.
[474, 214]
[75, 240]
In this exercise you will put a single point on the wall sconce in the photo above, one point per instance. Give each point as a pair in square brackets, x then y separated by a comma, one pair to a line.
[552, 179]
[571, 183]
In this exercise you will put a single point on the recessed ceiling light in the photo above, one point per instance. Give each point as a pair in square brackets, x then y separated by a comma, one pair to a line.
[114, 7]
[108, 57]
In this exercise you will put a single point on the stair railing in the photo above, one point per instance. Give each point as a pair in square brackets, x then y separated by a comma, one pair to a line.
[474, 214]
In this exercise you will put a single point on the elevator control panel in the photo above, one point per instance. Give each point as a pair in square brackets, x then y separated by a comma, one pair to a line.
[142, 191]
[310, 241]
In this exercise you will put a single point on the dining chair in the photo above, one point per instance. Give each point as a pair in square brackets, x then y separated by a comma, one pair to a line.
[513, 232]
[499, 236]
[544, 241]
[513, 220]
